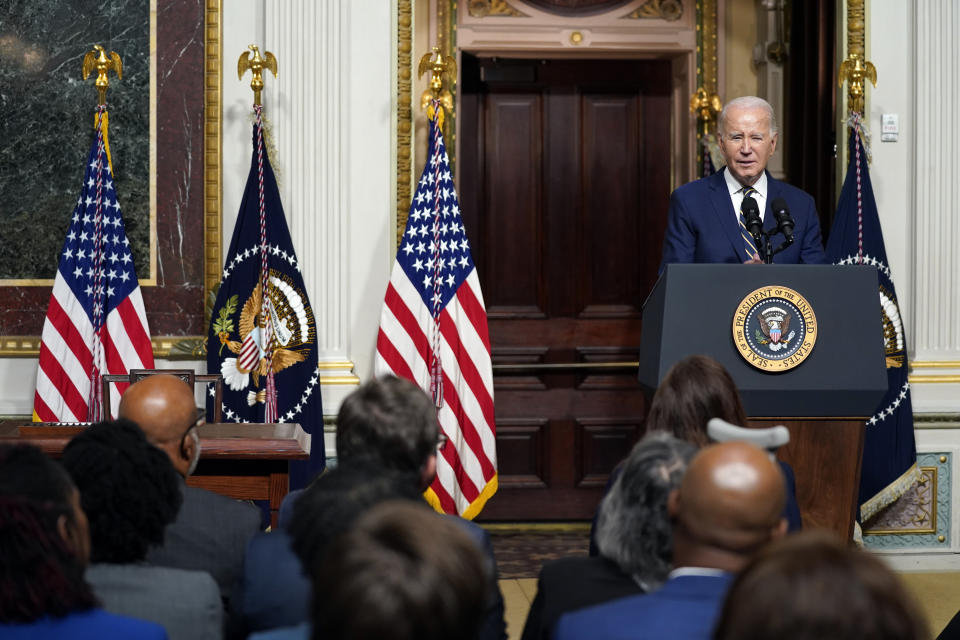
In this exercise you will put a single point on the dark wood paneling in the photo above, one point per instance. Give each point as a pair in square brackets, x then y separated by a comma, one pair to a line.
[601, 444]
[564, 171]
[825, 455]
[621, 379]
[563, 202]
[514, 176]
[610, 183]
[519, 356]
[654, 176]
[521, 452]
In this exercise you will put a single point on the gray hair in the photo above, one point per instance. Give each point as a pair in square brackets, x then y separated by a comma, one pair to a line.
[748, 102]
[633, 529]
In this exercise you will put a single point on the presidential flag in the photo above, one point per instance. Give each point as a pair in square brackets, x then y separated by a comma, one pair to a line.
[265, 344]
[889, 451]
[433, 331]
[96, 323]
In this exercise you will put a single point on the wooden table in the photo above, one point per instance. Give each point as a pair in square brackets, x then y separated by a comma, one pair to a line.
[243, 461]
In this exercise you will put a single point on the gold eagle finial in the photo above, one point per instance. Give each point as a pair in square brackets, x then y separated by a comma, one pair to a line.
[97, 59]
[256, 65]
[442, 68]
[855, 70]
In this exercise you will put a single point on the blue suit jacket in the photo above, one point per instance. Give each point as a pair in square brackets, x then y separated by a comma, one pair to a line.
[702, 225]
[94, 624]
[275, 592]
[210, 534]
[684, 608]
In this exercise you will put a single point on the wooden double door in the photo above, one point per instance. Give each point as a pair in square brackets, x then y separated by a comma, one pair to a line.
[564, 172]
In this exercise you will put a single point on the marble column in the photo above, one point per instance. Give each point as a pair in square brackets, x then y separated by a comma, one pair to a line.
[306, 110]
[330, 112]
[937, 189]
[936, 228]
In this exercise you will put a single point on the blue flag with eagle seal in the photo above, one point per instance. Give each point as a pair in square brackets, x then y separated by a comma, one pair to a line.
[889, 450]
[235, 346]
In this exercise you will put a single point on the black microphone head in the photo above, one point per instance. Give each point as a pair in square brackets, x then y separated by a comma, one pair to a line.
[751, 216]
[781, 213]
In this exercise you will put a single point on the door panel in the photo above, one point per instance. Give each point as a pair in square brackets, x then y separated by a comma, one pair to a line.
[513, 268]
[564, 183]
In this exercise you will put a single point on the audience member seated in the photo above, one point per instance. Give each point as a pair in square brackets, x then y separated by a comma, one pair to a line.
[814, 586]
[633, 535]
[728, 506]
[401, 573]
[695, 390]
[276, 591]
[130, 493]
[44, 547]
[211, 531]
[389, 426]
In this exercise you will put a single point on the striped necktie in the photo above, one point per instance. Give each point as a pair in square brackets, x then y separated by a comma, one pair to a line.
[749, 246]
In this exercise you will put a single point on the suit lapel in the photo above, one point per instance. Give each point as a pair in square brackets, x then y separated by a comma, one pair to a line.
[773, 192]
[723, 208]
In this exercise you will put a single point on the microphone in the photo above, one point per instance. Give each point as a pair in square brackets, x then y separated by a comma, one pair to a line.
[751, 218]
[781, 213]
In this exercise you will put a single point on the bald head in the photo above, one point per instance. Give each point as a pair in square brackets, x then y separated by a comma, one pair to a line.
[164, 407]
[729, 504]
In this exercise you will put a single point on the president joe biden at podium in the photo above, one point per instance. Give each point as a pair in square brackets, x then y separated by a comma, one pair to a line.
[742, 213]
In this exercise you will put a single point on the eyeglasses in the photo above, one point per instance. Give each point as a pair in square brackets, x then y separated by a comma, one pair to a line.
[200, 420]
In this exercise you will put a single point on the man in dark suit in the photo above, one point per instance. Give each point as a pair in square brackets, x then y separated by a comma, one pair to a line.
[211, 531]
[728, 506]
[633, 533]
[388, 429]
[704, 217]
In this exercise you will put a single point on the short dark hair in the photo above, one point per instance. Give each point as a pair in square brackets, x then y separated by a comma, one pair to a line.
[335, 500]
[389, 422]
[129, 489]
[694, 390]
[814, 586]
[401, 573]
[39, 574]
[633, 528]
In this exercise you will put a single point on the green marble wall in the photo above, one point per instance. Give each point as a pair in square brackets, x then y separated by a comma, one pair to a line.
[47, 124]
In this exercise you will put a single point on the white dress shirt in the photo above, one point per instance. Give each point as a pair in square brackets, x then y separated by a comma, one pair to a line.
[736, 193]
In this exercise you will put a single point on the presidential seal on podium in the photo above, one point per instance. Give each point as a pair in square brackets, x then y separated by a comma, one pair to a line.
[774, 328]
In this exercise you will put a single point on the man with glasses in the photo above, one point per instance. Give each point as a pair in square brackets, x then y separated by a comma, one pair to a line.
[211, 531]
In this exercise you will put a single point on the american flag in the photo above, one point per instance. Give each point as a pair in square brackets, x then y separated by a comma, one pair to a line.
[433, 331]
[96, 323]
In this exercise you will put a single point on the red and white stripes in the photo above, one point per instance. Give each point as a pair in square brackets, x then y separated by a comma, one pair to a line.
[466, 468]
[67, 353]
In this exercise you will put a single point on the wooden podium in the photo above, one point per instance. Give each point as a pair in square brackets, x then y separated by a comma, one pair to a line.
[242, 461]
[824, 401]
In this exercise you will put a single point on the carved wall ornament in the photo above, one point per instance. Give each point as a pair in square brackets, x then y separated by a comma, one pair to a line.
[576, 8]
[404, 112]
[488, 8]
[658, 9]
